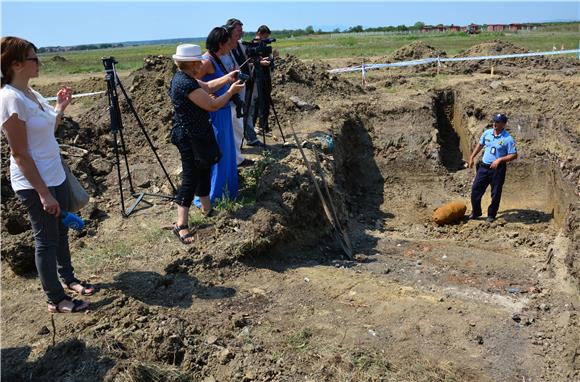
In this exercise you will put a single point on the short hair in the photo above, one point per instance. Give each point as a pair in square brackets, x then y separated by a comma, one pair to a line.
[184, 65]
[218, 36]
[231, 23]
[263, 29]
[14, 49]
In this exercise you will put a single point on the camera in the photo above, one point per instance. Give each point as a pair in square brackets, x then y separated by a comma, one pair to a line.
[259, 48]
[243, 77]
[109, 64]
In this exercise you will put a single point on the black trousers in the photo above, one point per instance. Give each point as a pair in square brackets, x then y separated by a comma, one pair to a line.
[487, 176]
[194, 181]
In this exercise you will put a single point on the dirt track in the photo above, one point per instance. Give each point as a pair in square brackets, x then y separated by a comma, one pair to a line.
[266, 293]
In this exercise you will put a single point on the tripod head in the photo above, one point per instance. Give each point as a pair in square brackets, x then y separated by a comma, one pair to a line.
[109, 63]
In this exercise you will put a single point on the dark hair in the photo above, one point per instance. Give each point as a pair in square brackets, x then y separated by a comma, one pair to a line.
[218, 36]
[14, 49]
[231, 23]
[263, 29]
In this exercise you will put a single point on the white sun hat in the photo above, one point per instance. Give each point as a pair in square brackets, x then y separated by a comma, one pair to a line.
[187, 52]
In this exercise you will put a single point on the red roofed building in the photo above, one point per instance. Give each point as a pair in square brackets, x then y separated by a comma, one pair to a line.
[496, 27]
[516, 27]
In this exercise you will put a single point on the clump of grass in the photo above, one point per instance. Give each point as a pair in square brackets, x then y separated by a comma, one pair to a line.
[251, 177]
[369, 361]
[299, 340]
[227, 204]
[198, 219]
[98, 256]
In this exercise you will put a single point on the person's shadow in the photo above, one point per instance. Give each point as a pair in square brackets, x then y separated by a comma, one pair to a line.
[170, 290]
[70, 360]
[526, 216]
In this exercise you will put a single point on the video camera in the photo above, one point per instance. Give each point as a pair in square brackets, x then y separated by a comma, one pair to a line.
[109, 63]
[259, 48]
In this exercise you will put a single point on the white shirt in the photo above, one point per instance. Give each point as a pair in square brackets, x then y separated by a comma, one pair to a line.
[42, 144]
[229, 62]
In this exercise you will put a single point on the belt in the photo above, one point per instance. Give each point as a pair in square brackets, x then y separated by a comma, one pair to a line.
[484, 165]
[488, 166]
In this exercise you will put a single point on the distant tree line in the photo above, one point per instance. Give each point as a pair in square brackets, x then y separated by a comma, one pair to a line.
[49, 49]
[359, 29]
[354, 29]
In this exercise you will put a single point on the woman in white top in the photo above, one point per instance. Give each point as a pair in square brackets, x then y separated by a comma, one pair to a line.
[36, 172]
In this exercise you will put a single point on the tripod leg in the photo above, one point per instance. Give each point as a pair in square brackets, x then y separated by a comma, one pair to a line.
[142, 127]
[249, 132]
[118, 165]
[276, 118]
[126, 161]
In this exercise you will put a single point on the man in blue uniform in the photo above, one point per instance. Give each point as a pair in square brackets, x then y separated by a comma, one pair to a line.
[500, 148]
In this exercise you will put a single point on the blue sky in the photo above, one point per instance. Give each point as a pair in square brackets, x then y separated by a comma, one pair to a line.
[81, 22]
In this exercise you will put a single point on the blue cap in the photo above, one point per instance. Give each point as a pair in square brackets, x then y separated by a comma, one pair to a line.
[500, 118]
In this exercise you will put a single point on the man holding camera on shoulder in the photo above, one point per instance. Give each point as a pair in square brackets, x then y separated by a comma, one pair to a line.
[266, 66]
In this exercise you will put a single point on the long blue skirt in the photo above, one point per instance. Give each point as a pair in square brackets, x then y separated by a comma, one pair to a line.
[224, 174]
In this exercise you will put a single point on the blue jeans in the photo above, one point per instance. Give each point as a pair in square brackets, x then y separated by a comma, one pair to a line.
[487, 176]
[52, 254]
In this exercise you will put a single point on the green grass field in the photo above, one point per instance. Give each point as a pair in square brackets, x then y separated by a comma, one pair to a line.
[328, 46]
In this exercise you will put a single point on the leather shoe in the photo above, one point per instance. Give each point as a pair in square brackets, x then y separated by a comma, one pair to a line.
[257, 143]
[474, 217]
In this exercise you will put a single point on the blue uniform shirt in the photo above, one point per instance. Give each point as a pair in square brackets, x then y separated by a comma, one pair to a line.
[496, 147]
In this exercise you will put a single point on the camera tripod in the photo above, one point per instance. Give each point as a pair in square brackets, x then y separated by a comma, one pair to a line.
[264, 101]
[117, 129]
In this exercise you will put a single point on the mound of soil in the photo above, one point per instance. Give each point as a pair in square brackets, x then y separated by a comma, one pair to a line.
[310, 83]
[89, 85]
[498, 48]
[416, 50]
[492, 48]
[58, 58]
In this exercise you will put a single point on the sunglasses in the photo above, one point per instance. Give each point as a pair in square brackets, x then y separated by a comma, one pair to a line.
[35, 59]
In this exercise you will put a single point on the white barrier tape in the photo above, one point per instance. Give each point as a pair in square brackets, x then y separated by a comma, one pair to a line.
[455, 59]
[78, 95]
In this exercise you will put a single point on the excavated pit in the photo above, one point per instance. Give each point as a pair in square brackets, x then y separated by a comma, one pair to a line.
[451, 152]
[534, 190]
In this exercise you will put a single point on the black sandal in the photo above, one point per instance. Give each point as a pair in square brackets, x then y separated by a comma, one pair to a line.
[78, 306]
[88, 289]
[183, 238]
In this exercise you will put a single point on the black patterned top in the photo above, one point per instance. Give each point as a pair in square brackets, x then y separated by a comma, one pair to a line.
[187, 115]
